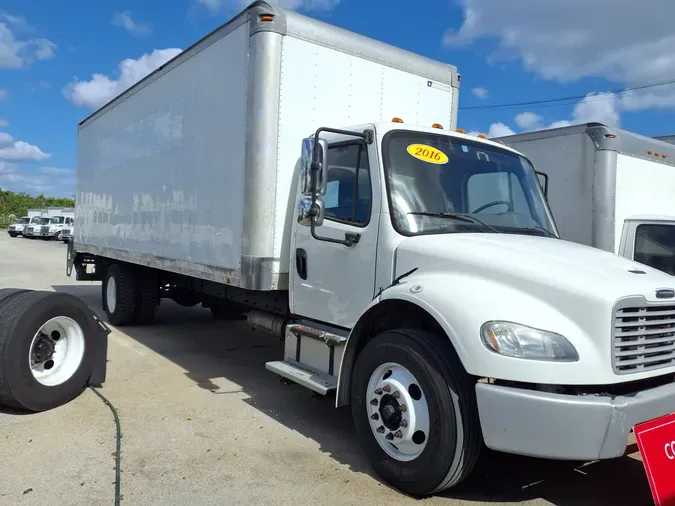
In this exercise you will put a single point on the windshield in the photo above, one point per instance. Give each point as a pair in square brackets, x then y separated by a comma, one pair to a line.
[24, 221]
[36, 219]
[43, 221]
[57, 219]
[443, 184]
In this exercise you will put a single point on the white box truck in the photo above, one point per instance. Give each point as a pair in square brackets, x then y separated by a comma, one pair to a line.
[291, 170]
[59, 218]
[16, 229]
[40, 218]
[608, 188]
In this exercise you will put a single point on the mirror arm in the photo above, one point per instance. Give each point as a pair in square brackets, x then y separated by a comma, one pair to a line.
[350, 238]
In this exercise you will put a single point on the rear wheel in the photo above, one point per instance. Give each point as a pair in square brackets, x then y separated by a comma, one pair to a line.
[119, 294]
[415, 413]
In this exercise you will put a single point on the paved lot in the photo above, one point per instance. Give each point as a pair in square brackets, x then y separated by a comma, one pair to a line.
[204, 423]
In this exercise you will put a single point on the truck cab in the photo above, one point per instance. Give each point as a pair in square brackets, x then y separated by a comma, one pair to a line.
[52, 229]
[67, 231]
[425, 250]
[16, 229]
[34, 228]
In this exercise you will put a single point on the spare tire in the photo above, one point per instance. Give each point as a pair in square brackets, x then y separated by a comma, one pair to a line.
[49, 345]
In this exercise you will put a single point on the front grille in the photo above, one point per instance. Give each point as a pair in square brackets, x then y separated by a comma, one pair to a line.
[45, 230]
[644, 338]
[12, 228]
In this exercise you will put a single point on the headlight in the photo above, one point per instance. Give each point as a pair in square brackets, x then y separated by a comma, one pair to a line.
[519, 341]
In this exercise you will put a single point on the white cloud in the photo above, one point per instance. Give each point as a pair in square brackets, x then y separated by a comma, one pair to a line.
[3, 94]
[100, 89]
[124, 20]
[4, 123]
[55, 171]
[480, 92]
[215, 6]
[528, 120]
[19, 151]
[594, 108]
[499, 130]
[564, 41]
[17, 52]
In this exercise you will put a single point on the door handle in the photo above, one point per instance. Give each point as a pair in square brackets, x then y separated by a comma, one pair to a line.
[352, 238]
[301, 262]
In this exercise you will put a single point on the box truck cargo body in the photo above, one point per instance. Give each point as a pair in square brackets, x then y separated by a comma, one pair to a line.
[311, 178]
[193, 167]
[608, 188]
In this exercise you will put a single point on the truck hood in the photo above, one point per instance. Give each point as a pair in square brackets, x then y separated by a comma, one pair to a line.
[521, 260]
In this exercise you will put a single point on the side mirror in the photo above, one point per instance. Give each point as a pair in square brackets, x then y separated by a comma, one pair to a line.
[304, 215]
[310, 152]
[544, 186]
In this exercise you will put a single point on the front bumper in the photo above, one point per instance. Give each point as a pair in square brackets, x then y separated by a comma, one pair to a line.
[566, 427]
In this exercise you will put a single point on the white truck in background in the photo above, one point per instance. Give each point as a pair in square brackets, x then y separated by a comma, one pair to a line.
[59, 217]
[17, 229]
[67, 230]
[311, 178]
[608, 188]
[32, 230]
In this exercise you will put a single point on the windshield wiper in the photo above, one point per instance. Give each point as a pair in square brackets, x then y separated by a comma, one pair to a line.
[467, 218]
[535, 229]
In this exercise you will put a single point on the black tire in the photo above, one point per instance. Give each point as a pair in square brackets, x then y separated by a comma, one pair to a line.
[7, 293]
[126, 297]
[21, 316]
[65, 241]
[454, 441]
[12, 234]
[227, 310]
[147, 297]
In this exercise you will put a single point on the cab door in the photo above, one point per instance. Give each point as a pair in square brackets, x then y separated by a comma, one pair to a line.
[334, 283]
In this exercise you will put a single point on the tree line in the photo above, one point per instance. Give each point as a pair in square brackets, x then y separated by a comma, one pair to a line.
[14, 205]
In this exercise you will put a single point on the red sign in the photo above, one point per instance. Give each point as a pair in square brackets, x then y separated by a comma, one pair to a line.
[656, 440]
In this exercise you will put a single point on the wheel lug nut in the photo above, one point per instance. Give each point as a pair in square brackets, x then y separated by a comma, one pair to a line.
[403, 423]
[378, 391]
[398, 434]
[396, 394]
[403, 408]
[380, 429]
[386, 388]
[373, 402]
[375, 416]
[389, 436]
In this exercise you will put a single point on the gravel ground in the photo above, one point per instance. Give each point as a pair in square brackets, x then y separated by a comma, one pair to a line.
[204, 423]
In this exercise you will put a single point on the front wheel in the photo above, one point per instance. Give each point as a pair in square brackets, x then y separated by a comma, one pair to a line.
[415, 413]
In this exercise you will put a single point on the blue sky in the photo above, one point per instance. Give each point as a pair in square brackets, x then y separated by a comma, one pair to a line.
[60, 60]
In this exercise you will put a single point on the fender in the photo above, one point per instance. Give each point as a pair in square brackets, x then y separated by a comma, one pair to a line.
[458, 303]
[407, 292]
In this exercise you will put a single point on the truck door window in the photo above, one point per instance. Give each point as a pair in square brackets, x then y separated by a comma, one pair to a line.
[486, 187]
[655, 247]
[348, 191]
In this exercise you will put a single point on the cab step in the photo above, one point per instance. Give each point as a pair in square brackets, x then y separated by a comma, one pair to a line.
[317, 381]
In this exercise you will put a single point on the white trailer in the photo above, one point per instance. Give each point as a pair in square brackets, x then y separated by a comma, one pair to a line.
[608, 188]
[231, 177]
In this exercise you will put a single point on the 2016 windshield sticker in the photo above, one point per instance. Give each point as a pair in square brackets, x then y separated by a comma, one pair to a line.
[427, 154]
